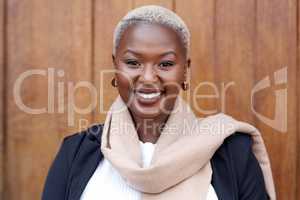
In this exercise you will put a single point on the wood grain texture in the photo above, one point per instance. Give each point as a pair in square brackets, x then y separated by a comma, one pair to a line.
[199, 17]
[2, 95]
[234, 53]
[275, 49]
[222, 55]
[41, 35]
[107, 15]
[243, 46]
[165, 3]
[298, 104]
[298, 130]
[235, 45]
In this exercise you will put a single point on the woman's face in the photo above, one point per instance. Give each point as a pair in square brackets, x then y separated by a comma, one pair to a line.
[151, 66]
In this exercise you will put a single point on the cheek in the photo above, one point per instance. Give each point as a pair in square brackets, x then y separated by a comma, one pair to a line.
[172, 79]
[124, 87]
[125, 79]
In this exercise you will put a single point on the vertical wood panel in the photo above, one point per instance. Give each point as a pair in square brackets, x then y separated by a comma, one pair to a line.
[107, 15]
[252, 41]
[43, 34]
[234, 51]
[199, 17]
[222, 54]
[2, 29]
[165, 3]
[298, 135]
[275, 49]
[232, 41]
[298, 103]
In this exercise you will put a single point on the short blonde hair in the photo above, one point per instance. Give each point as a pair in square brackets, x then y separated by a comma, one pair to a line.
[153, 14]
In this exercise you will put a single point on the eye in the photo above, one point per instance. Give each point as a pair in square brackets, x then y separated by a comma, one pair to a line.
[166, 64]
[132, 63]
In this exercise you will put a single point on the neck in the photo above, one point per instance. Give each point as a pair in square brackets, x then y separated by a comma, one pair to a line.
[149, 130]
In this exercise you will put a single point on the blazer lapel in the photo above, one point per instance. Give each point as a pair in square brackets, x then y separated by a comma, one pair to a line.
[85, 162]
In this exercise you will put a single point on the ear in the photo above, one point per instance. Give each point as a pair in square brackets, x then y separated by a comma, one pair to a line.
[187, 68]
[114, 60]
[188, 61]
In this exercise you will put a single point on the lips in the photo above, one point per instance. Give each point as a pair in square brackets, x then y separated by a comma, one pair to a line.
[148, 95]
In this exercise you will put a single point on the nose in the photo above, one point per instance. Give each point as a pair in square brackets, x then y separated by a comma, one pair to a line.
[149, 74]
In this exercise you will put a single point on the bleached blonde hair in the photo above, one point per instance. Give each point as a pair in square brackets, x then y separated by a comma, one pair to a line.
[153, 14]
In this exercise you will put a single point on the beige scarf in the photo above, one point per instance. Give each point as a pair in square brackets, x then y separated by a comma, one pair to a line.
[180, 166]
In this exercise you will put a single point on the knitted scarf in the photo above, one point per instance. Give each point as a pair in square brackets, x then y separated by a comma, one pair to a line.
[180, 167]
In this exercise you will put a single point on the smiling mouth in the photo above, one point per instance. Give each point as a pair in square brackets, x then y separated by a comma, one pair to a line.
[148, 95]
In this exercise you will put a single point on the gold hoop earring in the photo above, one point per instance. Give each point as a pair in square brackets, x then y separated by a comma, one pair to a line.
[114, 82]
[185, 85]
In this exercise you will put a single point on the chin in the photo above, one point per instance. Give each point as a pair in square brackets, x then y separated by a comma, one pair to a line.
[145, 107]
[145, 111]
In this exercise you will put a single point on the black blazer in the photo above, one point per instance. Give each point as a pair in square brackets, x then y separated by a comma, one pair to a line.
[236, 172]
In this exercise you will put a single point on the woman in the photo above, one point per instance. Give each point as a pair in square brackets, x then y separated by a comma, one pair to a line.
[151, 145]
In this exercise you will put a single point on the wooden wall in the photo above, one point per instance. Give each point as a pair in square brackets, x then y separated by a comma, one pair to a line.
[42, 35]
[239, 42]
[2, 98]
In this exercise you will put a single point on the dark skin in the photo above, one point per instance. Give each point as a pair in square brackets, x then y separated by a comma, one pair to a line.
[150, 60]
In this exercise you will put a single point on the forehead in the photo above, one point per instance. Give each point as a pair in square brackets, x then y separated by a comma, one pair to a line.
[151, 38]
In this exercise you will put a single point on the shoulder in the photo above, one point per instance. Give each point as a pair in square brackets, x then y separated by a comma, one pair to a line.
[72, 143]
[236, 167]
[239, 144]
[92, 133]
[75, 146]
[236, 150]
[230, 159]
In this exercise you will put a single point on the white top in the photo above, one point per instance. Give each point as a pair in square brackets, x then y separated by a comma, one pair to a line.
[107, 183]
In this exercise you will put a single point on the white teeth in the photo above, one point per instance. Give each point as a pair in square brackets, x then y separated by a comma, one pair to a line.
[149, 95]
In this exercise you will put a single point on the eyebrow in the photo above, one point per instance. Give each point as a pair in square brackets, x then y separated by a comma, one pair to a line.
[139, 54]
